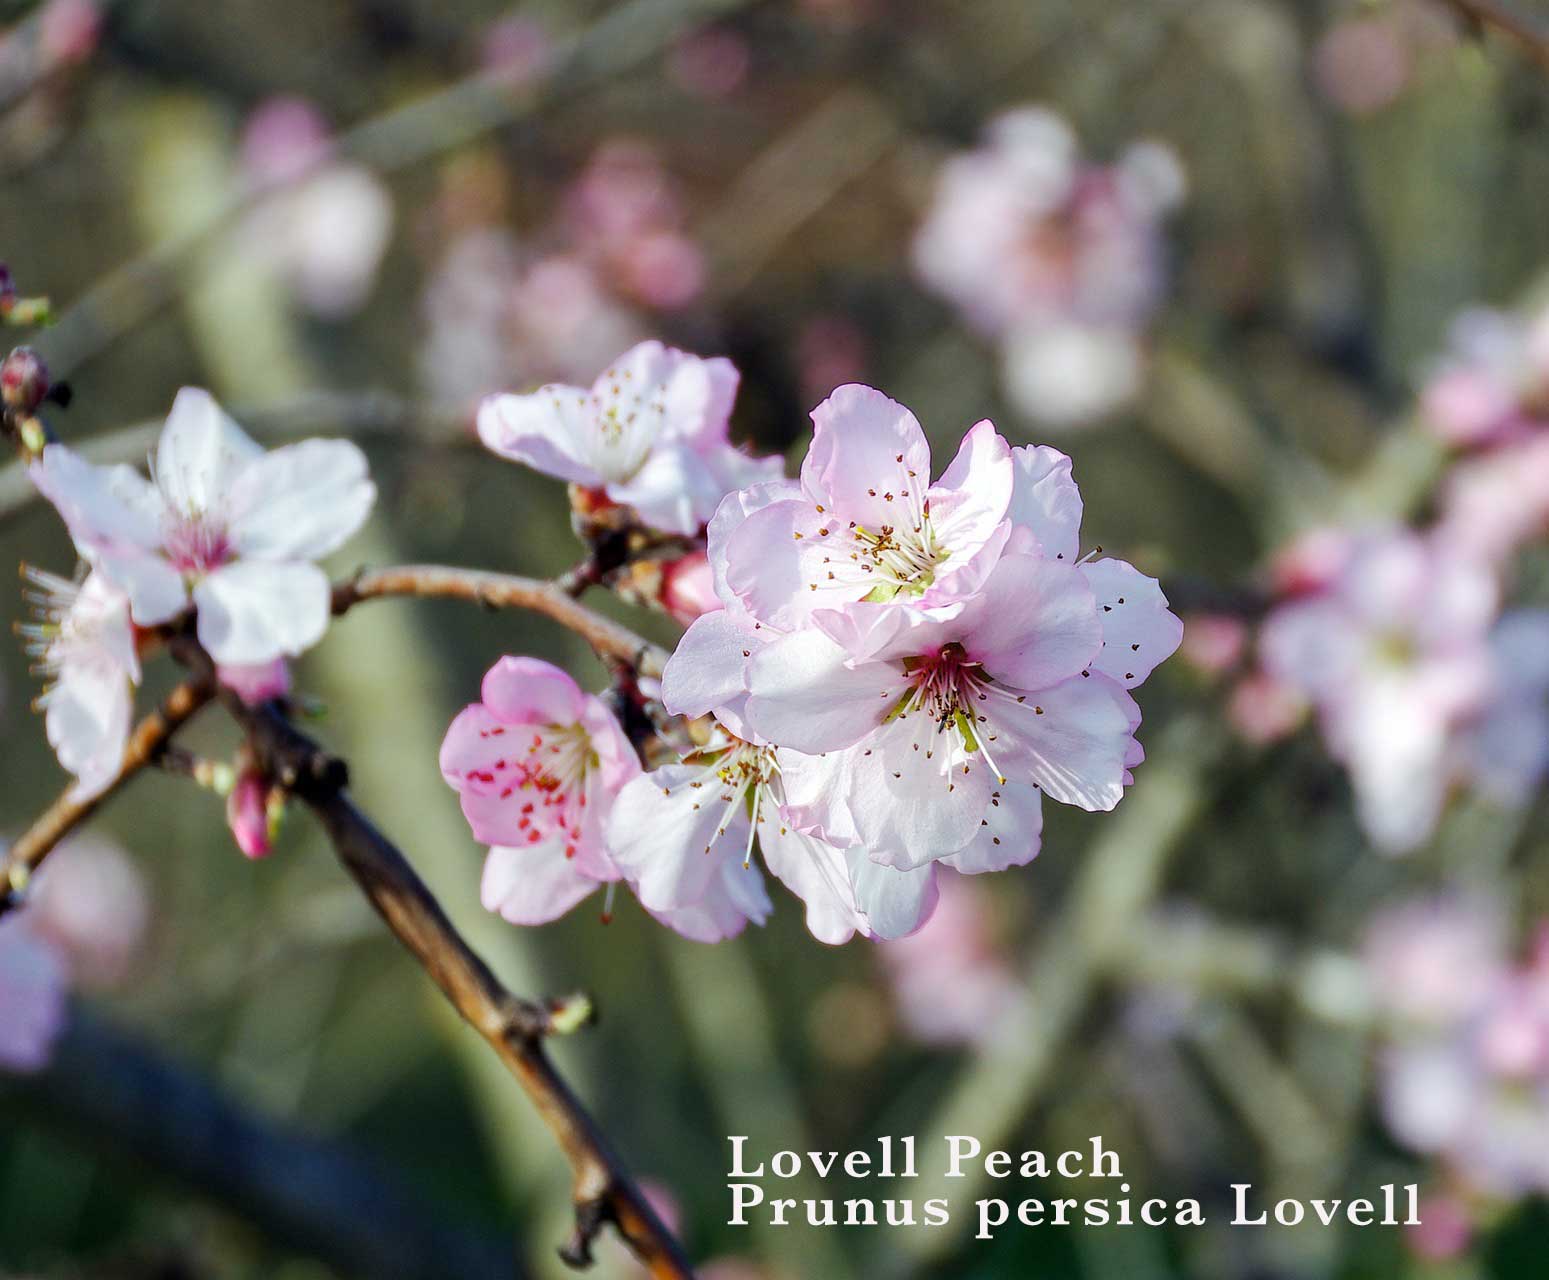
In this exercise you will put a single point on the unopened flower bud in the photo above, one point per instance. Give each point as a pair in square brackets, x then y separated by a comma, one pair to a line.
[247, 814]
[688, 588]
[23, 380]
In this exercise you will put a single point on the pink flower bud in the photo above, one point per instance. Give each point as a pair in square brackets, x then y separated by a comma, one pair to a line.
[1213, 642]
[688, 588]
[247, 814]
[23, 380]
[1444, 1229]
[255, 684]
[1263, 710]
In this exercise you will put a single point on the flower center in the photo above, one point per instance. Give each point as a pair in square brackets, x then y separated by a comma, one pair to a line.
[902, 560]
[745, 775]
[946, 688]
[550, 775]
[196, 544]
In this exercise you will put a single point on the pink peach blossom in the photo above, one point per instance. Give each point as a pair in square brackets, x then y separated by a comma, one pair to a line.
[224, 527]
[651, 432]
[538, 765]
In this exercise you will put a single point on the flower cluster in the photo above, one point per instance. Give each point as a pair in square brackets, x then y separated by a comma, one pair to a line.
[1059, 261]
[223, 529]
[566, 296]
[898, 670]
[1464, 1075]
[1423, 677]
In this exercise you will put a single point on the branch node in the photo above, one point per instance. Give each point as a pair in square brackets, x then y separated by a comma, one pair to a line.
[590, 1217]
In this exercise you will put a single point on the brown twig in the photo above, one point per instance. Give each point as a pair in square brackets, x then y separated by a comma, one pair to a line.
[1530, 34]
[316, 1195]
[514, 1027]
[609, 639]
[149, 739]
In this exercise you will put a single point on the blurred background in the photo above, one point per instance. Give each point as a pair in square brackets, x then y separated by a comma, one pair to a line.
[1230, 255]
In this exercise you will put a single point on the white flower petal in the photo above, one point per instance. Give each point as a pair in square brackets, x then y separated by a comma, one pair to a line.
[532, 885]
[255, 611]
[804, 696]
[550, 431]
[1139, 631]
[200, 453]
[87, 720]
[300, 502]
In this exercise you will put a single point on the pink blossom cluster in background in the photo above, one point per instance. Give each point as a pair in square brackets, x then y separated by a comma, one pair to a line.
[86, 918]
[1425, 678]
[1058, 260]
[900, 667]
[1488, 399]
[1464, 1067]
[560, 300]
[324, 224]
[951, 983]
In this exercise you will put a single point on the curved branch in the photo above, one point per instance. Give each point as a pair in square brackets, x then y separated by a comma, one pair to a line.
[1531, 35]
[514, 1027]
[311, 1194]
[610, 640]
[146, 743]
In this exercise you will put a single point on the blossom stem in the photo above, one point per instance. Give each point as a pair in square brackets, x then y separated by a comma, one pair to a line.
[514, 1027]
[146, 744]
[609, 639]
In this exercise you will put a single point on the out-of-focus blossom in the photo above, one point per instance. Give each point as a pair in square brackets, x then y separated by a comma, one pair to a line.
[1505, 750]
[651, 432]
[1263, 709]
[1065, 374]
[711, 62]
[68, 31]
[831, 350]
[494, 318]
[1311, 561]
[247, 815]
[1445, 1227]
[1495, 502]
[327, 225]
[1465, 1060]
[224, 526]
[84, 643]
[1059, 259]
[516, 50]
[622, 216]
[950, 983]
[1214, 642]
[538, 765]
[1394, 656]
[1493, 383]
[1368, 57]
[89, 900]
[1362, 64]
[1429, 961]
[257, 683]
[33, 989]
